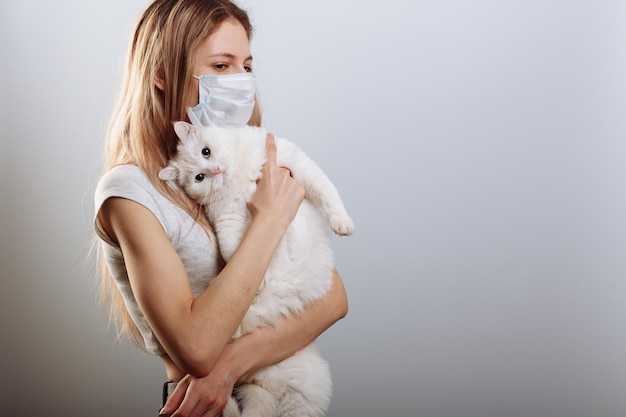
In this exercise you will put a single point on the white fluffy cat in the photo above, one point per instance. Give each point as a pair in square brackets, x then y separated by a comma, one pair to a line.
[219, 167]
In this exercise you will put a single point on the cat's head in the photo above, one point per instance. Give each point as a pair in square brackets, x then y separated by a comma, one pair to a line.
[196, 166]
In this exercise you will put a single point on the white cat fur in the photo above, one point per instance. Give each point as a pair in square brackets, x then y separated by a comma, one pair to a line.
[301, 270]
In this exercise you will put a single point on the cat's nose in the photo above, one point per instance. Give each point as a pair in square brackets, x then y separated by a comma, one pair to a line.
[217, 171]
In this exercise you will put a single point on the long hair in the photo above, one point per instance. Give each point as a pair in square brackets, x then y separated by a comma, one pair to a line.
[140, 132]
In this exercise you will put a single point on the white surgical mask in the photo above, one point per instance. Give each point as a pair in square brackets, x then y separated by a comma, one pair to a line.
[225, 100]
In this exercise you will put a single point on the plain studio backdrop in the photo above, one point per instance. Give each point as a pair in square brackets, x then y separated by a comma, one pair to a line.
[480, 146]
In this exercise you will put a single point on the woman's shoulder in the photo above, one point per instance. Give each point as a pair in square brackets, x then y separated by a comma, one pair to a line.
[129, 182]
[122, 180]
[121, 175]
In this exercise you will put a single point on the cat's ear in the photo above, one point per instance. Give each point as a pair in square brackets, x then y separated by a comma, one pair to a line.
[185, 131]
[168, 173]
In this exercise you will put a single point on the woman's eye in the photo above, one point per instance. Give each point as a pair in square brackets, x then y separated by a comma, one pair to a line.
[206, 152]
[220, 66]
[199, 178]
[248, 69]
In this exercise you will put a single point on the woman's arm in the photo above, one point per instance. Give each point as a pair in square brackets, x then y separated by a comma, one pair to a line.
[192, 330]
[263, 347]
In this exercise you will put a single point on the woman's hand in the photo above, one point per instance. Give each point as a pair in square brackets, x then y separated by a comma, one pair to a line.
[201, 397]
[277, 195]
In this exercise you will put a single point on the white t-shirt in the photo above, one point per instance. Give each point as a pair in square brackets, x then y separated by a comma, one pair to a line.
[197, 250]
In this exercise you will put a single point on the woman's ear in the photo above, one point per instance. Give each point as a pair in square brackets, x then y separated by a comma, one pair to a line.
[159, 80]
[160, 83]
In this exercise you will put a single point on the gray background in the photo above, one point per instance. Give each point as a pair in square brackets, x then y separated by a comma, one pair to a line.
[479, 145]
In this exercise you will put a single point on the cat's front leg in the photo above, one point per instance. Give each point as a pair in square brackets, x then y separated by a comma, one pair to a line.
[319, 189]
[230, 229]
[341, 223]
[323, 193]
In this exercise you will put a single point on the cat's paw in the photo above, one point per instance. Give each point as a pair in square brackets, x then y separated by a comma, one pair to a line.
[341, 224]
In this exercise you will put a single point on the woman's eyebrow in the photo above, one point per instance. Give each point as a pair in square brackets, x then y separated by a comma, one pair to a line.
[229, 56]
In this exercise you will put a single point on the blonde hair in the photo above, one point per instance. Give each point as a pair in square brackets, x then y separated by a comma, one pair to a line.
[140, 132]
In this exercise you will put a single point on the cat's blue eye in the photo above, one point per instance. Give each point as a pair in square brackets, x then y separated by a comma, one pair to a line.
[199, 178]
[206, 152]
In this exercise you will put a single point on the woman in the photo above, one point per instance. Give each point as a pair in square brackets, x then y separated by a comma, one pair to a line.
[159, 250]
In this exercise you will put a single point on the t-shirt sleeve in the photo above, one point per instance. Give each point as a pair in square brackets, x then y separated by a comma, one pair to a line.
[130, 183]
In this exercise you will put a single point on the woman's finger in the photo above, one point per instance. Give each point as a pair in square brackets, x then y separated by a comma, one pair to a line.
[174, 400]
[287, 170]
[270, 152]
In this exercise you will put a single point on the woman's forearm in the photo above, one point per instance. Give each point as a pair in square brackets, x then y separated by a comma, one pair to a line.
[230, 293]
[269, 345]
[263, 347]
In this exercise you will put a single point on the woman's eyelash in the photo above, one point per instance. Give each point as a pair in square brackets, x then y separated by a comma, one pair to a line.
[247, 68]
